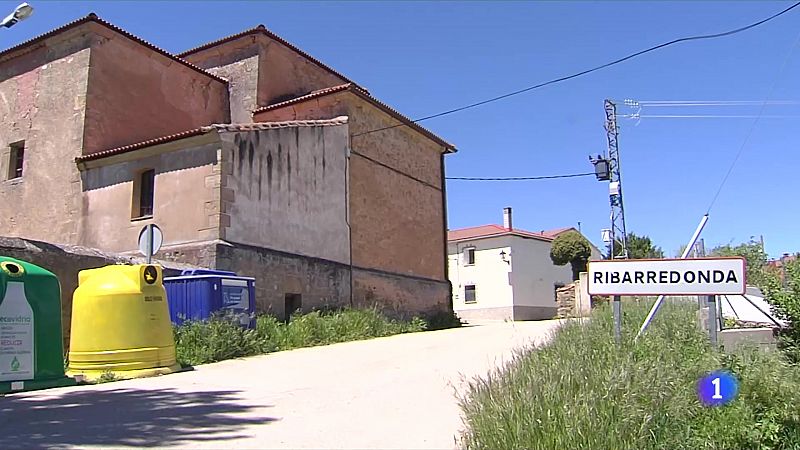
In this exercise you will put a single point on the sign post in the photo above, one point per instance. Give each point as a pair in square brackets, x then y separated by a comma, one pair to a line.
[706, 277]
[617, 307]
[711, 300]
[150, 240]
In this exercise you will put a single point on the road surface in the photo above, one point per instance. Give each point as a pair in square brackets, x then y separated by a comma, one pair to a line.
[395, 392]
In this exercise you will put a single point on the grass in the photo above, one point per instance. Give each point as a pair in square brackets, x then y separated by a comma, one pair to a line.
[218, 340]
[582, 391]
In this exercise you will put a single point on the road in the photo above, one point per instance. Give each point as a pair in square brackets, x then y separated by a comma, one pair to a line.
[394, 392]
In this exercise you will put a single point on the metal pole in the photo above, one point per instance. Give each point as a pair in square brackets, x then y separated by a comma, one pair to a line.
[660, 299]
[712, 320]
[149, 243]
[769, 316]
[617, 306]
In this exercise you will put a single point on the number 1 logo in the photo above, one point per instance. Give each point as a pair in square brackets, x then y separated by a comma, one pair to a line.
[717, 388]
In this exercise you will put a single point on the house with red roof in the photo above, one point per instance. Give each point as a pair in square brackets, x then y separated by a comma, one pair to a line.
[250, 154]
[499, 272]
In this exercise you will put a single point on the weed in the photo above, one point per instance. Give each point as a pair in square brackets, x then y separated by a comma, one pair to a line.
[219, 339]
[581, 391]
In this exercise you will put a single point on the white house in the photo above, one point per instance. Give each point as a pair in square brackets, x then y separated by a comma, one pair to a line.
[499, 272]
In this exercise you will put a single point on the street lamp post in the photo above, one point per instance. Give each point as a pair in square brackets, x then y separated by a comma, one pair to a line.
[22, 12]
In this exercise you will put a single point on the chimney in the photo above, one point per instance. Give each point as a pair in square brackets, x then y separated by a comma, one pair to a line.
[507, 219]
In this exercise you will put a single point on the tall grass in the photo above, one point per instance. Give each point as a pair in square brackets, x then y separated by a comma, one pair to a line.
[219, 339]
[582, 391]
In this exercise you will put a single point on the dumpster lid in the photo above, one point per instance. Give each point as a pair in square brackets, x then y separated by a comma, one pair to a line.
[195, 272]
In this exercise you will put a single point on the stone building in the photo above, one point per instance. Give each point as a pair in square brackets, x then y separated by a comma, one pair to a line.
[250, 154]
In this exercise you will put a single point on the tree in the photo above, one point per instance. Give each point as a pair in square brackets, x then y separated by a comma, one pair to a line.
[571, 247]
[641, 247]
[754, 255]
[785, 296]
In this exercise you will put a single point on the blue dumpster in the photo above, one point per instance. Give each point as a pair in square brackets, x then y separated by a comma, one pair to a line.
[201, 293]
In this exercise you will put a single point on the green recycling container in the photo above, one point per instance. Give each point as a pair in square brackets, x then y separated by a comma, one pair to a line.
[31, 347]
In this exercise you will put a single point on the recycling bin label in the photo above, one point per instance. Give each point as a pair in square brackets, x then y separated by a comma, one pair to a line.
[16, 335]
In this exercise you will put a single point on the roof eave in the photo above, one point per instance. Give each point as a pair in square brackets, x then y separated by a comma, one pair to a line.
[92, 17]
[261, 29]
[361, 93]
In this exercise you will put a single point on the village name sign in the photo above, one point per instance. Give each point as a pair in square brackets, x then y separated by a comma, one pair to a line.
[699, 276]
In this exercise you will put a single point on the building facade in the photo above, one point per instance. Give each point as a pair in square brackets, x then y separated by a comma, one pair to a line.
[499, 272]
[108, 133]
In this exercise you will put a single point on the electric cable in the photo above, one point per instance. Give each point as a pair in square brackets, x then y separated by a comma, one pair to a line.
[545, 177]
[755, 122]
[584, 72]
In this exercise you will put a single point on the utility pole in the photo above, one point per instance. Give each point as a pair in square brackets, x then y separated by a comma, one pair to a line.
[608, 169]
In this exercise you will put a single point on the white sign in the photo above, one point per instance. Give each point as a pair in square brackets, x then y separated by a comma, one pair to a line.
[16, 334]
[699, 276]
[150, 231]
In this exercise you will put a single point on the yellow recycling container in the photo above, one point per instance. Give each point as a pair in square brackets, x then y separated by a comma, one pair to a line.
[121, 324]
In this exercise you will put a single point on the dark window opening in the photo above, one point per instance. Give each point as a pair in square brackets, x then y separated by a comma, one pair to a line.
[292, 304]
[469, 294]
[147, 183]
[16, 161]
[470, 256]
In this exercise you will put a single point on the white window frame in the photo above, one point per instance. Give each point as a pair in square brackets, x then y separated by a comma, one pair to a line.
[474, 294]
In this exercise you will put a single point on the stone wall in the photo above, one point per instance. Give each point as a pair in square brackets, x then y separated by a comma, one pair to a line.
[565, 299]
[320, 283]
[399, 296]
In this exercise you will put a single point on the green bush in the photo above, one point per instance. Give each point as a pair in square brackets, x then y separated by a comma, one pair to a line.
[219, 339]
[581, 391]
[443, 320]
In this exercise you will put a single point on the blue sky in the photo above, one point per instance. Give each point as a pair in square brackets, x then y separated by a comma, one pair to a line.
[423, 58]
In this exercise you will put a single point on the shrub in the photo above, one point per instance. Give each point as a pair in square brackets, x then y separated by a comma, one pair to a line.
[442, 320]
[581, 391]
[571, 248]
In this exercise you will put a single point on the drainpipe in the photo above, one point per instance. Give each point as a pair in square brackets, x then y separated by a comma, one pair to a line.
[347, 209]
[444, 230]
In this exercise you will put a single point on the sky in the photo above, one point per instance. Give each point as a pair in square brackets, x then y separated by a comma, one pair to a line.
[426, 57]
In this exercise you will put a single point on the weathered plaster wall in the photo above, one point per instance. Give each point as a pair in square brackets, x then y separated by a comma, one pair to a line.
[284, 74]
[320, 283]
[42, 101]
[186, 199]
[238, 62]
[289, 190]
[136, 94]
[397, 206]
[261, 71]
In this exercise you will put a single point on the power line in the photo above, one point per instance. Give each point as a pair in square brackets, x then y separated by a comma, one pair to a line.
[546, 177]
[682, 103]
[706, 116]
[755, 122]
[585, 72]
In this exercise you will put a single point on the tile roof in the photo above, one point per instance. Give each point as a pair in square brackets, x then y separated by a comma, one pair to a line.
[92, 17]
[486, 231]
[261, 29]
[207, 129]
[556, 231]
[355, 89]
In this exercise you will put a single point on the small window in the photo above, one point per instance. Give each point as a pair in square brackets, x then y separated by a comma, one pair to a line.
[469, 294]
[16, 160]
[469, 256]
[144, 192]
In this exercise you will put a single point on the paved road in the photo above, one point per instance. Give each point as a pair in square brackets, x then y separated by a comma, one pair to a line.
[395, 392]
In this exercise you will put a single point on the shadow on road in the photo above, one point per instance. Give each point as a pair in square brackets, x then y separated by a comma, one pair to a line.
[122, 417]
